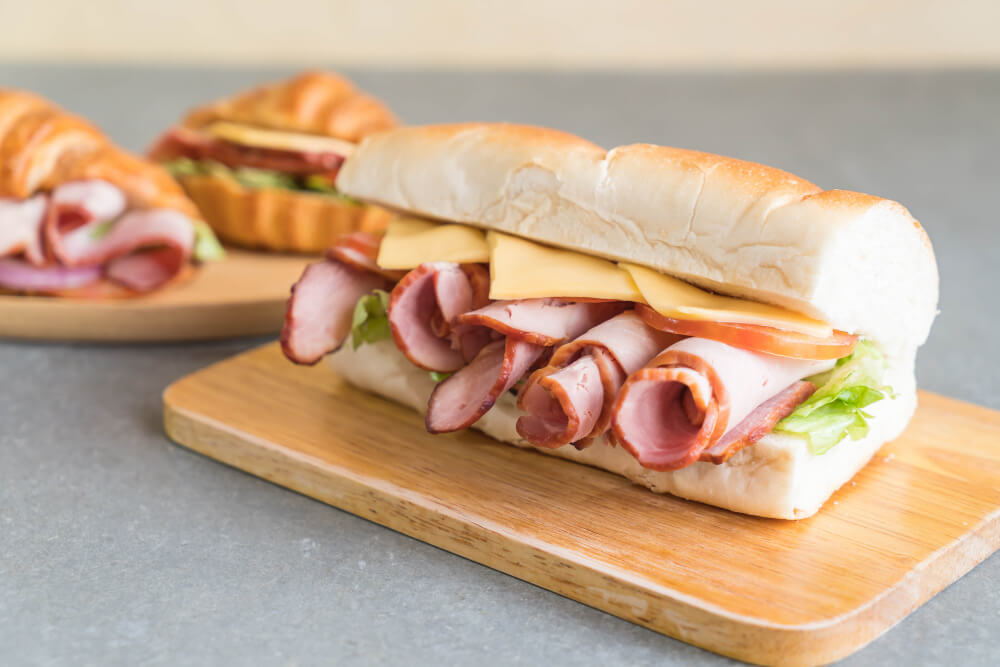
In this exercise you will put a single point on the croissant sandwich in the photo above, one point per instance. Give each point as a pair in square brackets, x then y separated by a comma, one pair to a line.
[706, 327]
[261, 165]
[81, 217]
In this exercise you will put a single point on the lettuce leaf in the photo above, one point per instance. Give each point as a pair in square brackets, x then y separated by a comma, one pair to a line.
[319, 184]
[206, 247]
[261, 178]
[370, 323]
[836, 409]
[182, 166]
[101, 230]
[323, 185]
[440, 377]
[254, 178]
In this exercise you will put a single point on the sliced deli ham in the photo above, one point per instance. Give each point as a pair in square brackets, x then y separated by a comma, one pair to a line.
[73, 205]
[541, 321]
[319, 312]
[462, 399]
[689, 396]
[82, 232]
[360, 249]
[100, 200]
[760, 422]
[145, 270]
[21, 225]
[184, 142]
[99, 240]
[570, 400]
[528, 326]
[423, 309]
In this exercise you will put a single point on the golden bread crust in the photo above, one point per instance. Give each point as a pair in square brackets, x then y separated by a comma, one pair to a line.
[43, 146]
[312, 102]
[277, 218]
[858, 262]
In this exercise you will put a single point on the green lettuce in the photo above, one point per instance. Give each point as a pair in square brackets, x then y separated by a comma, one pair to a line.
[206, 247]
[836, 409]
[101, 230]
[440, 377]
[256, 178]
[323, 185]
[183, 166]
[262, 178]
[370, 323]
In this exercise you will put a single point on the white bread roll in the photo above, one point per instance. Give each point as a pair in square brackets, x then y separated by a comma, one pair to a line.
[859, 262]
[775, 477]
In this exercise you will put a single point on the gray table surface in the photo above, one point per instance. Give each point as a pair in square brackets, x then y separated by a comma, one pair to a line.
[119, 547]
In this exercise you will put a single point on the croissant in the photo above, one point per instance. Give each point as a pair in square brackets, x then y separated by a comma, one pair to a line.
[35, 138]
[312, 102]
[80, 216]
[260, 165]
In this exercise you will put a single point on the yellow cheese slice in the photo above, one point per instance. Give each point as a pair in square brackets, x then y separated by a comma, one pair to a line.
[520, 269]
[677, 299]
[409, 242]
[245, 135]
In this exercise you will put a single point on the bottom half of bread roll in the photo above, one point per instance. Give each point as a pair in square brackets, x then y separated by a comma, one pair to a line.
[775, 477]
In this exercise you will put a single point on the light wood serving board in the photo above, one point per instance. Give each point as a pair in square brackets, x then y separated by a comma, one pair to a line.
[924, 512]
[244, 295]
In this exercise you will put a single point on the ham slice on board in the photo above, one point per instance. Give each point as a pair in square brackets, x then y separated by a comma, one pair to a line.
[687, 398]
[423, 309]
[528, 327]
[570, 400]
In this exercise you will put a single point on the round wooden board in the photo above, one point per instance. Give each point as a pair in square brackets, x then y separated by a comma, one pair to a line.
[244, 295]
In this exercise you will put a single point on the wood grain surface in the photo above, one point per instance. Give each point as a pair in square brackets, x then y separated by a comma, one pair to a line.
[924, 512]
[244, 295]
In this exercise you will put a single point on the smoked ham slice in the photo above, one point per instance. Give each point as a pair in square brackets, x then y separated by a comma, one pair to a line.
[541, 321]
[462, 399]
[319, 312]
[82, 232]
[570, 400]
[360, 250]
[687, 398]
[528, 327]
[21, 225]
[99, 199]
[760, 422]
[95, 243]
[423, 309]
[184, 142]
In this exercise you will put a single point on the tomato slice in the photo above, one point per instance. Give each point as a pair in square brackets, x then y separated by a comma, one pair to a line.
[780, 342]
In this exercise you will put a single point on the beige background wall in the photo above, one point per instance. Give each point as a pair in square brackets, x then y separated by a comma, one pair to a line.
[508, 33]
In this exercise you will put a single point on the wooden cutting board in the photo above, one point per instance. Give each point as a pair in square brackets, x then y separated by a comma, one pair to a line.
[244, 295]
[924, 512]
